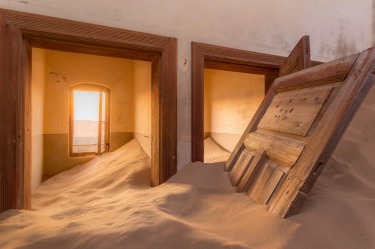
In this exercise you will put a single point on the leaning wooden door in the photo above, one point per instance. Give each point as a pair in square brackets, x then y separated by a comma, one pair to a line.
[298, 59]
[15, 119]
[296, 129]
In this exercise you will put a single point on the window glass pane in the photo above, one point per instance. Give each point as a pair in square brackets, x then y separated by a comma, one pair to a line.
[86, 121]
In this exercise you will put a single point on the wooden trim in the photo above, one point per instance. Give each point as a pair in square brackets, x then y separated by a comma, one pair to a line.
[298, 59]
[66, 35]
[100, 124]
[222, 58]
[11, 156]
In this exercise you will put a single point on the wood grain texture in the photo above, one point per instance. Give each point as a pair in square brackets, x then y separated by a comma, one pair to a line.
[345, 101]
[269, 80]
[11, 57]
[249, 175]
[278, 149]
[241, 166]
[295, 111]
[255, 190]
[298, 59]
[333, 92]
[327, 73]
[270, 187]
[38, 26]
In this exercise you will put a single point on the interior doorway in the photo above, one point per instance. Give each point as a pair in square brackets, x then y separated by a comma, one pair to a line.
[206, 56]
[85, 105]
[20, 33]
[230, 101]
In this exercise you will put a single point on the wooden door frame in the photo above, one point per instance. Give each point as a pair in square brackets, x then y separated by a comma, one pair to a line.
[72, 36]
[228, 59]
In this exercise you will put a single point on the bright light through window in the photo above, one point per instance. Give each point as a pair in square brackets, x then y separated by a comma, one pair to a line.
[89, 126]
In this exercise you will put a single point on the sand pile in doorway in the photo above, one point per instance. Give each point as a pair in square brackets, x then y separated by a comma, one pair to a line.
[213, 152]
[107, 204]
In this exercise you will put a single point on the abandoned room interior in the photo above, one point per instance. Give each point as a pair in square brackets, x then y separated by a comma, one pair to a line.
[65, 93]
[187, 124]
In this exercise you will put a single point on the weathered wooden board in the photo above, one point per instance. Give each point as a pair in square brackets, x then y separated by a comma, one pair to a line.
[294, 111]
[278, 149]
[298, 59]
[242, 164]
[297, 127]
[251, 171]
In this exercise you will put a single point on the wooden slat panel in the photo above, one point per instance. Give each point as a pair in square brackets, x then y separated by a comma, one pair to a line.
[251, 171]
[11, 47]
[295, 111]
[286, 196]
[298, 59]
[327, 73]
[264, 174]
[240, 167]
[270, 187]
[278, 149]
[328, 109]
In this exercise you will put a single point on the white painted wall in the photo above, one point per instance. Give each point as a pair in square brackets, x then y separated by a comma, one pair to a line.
[336, 28]
[37, 107]
[231, 100]
[142, 104]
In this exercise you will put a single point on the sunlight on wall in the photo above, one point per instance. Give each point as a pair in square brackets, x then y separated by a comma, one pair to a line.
[231, 100]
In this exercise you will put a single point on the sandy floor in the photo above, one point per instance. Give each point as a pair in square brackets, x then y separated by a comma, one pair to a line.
[107, 203]
[213, 152]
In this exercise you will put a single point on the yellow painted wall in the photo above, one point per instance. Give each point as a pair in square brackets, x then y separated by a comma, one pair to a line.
[37, 106]
[142, 104]
[64, 70]
[114, 73]
[231, 100]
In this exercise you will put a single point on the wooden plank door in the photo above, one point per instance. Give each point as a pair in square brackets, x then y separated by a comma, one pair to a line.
[295, 130]
[298, 59]
[14, 132]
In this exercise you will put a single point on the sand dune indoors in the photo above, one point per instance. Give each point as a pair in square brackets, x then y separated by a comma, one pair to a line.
[107, 203]
[213, 152]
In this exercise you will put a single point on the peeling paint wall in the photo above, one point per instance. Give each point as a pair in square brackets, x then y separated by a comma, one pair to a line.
[336, 28]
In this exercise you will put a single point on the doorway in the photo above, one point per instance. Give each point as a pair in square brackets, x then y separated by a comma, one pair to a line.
[22, 31]
[206, 56]
[230, 101]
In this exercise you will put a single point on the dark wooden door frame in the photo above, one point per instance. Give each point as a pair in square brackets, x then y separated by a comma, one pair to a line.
[66, 35]
[229, 59]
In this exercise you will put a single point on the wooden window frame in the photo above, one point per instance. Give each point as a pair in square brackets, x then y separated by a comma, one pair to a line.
[91, 88]
[72, 36]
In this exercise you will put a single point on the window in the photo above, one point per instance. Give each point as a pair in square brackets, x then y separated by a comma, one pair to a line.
[89, 120]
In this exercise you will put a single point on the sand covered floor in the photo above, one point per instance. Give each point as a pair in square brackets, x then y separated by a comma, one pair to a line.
[107, 203]
[213, 152]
